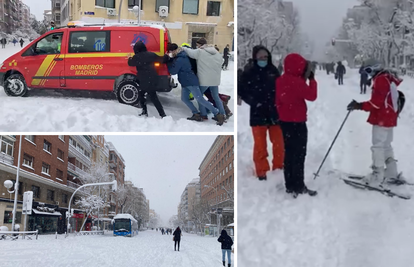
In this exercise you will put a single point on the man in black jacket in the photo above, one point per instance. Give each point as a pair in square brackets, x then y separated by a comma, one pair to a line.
[147, 76]
[257, 88]
[226, 243]
[226, 54]
[177, 238]
[340, 71]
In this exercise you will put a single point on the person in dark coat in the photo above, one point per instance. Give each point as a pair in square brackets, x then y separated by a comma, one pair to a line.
[15, 41]
[340, 72]
[177, 238]
[216, 47]
[147, 75]
[291, 96]
[257, 89]
[21, 42]
[226, 55]
[3, 42]
[364, 79]
[226, 243]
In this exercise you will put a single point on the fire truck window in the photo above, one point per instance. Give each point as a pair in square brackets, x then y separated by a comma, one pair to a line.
[90, 41]
[51, 44]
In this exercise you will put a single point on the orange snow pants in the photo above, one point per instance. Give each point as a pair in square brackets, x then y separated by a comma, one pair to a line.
[260, 148]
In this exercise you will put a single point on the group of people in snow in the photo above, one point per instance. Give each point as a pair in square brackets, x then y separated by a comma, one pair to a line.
[278, 108]
[198, 71]
[3, 42]
[165, 231]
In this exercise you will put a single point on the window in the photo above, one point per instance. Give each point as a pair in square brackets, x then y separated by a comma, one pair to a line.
[47, 146]
[28, 160]
[230, 166]
[64, 198]
[213, 8]
[50, 195]
[57, 17]
[8, 217]
[227, 170]
[90, 41]
[159, 3]
[36, 191]
[62, 137]
[72, 142]
[49, 45]
[132, 3]
[190, 7]
[6, 146]
[105, 3]
[60, 154]
[30, 138]
[45, 168]
[59, 174]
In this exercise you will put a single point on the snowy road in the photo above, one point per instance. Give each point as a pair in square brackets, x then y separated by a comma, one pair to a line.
[342, 226]
[49, 111]
[148, 249]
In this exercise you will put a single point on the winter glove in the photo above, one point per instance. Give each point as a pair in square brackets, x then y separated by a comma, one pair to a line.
[354, 105]
[166, 58]
[312, 76]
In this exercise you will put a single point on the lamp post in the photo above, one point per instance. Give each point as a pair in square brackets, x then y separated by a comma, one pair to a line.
[119, 11]
[218, 217]
[137, 12]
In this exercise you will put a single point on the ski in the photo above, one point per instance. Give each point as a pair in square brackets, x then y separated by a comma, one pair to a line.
[383, 191]
[390, 181]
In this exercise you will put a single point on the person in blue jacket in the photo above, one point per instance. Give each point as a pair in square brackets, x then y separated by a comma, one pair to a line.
[181, 66]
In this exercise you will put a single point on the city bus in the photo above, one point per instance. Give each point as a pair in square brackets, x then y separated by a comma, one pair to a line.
[124, 225]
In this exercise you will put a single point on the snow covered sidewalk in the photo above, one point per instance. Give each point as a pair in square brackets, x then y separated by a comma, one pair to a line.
[148, 249]
[49, 111]
[342, 226]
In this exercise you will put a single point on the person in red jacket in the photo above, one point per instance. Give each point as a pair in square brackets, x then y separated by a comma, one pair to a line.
[384, 107]
[291, 95]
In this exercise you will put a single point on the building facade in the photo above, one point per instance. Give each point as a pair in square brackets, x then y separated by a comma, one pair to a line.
[190, 197]
[217, 179]
[56, 11]
[117, 168]
[187, 20]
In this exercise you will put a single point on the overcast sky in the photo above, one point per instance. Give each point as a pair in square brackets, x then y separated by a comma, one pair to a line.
[162, 165]
[321, 18]
[38, 6]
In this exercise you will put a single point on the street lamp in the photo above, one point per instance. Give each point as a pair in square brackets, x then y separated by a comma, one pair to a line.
[218, 217]
[137, 12]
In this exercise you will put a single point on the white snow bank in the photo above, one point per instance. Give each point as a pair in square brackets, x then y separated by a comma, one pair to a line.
[125, 216]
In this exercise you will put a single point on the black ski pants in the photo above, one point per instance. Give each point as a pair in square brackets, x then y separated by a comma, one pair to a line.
[154, 100]
[175, 244]
[363, 86]
[226, 63]
[340, 79]
[295, 136]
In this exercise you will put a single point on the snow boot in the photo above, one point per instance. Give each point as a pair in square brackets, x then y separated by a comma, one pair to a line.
[229, 265]
[306, 190]
[224, 263]
[391, 169]
[262, 178]
[220, 119]
[205, 118]
[292, 192]
[144, 114]
[376, 178]
[195, 117]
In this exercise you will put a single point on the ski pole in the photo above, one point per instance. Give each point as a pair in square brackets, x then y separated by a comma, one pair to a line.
[333, 142]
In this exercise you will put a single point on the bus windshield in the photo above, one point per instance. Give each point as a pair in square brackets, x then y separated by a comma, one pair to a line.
[122, 225]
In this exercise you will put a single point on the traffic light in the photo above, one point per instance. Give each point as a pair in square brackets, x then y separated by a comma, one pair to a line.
[52, 25]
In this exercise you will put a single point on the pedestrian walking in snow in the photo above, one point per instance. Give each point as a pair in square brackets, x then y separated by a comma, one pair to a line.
[21, 42]
[177, 238]
[209, 75]
[364, 79]
[147, 76]
[3, 42]
[385, 105]
[226, 55]
[226, 243]
[257, 88]
[14, 41]
[291, 96]
[340, 72]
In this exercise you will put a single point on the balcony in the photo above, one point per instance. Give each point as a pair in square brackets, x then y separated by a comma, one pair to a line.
[73, 152]
[4, 158]
[112, 163]
[75, 186]
[76, 170]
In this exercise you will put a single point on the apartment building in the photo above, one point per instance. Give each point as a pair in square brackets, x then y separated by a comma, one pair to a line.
[217, 178]
[190, 197]
[9, 15]
[56, 11]
[187, 20]
[116, 167]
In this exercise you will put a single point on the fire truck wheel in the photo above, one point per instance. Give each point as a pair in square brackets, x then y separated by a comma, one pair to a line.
[15, 85]
[127, 91]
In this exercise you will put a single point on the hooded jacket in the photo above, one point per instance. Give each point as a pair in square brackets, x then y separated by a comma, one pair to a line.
[209, 63]
[192, 60]
[182, 67]
[364, 75]
[177, 234]
[145, 61]
[225, 240]
[380, 105]
[257, 89]
[340, 69]
[293, 91]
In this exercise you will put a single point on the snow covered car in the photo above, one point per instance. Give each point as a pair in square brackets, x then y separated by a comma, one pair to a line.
[86, 57]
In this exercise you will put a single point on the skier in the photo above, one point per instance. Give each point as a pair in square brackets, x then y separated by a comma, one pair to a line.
[257, 89]
[21, 42]
[189, 82]
[364, 79]
[340, 71]
[209, 74]
[226, 243]
[384, 107]
[291, 95]
[177, 238]
[147, 75]
[226, 55]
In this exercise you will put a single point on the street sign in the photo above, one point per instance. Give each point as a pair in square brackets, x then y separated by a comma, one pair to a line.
[27, 202]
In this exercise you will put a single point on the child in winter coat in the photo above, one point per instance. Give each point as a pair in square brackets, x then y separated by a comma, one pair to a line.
[226, 243]
[384, 106]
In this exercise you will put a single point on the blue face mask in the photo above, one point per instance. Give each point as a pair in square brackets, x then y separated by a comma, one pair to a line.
[262, 63]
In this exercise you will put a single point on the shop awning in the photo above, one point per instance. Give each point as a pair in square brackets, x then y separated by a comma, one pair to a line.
[56, 213]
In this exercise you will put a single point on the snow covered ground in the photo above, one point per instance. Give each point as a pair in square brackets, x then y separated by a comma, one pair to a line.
[342, 226]
[148, 249]
[49, 111]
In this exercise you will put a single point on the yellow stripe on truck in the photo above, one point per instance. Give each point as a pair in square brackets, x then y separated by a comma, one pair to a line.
[43, 68]
[162, 41]
[48, 72]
